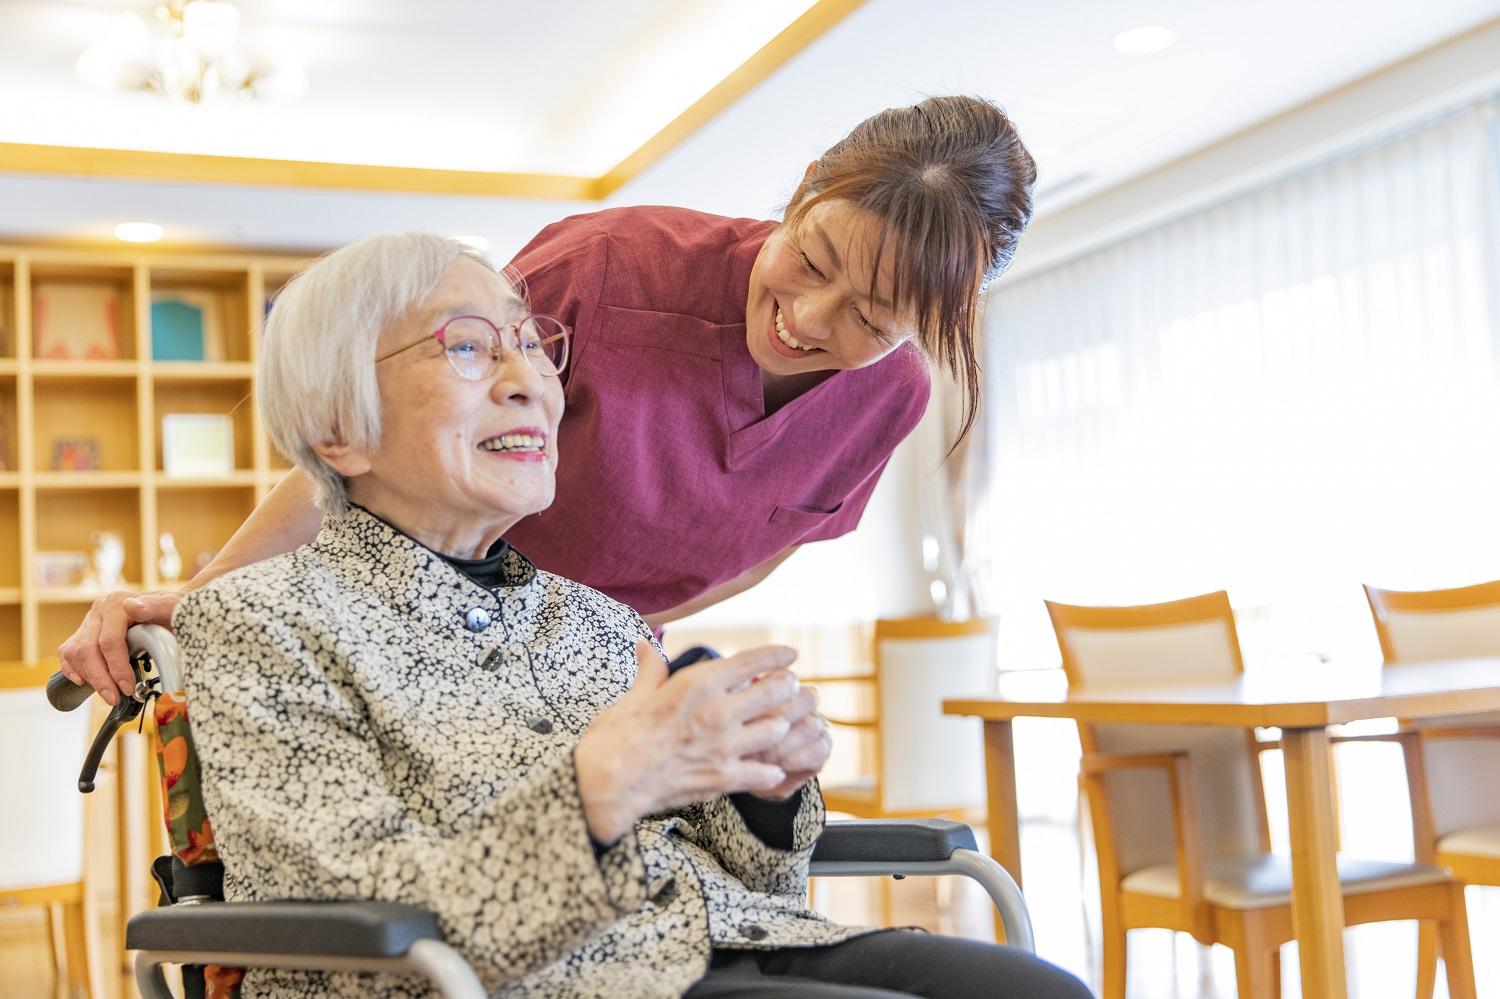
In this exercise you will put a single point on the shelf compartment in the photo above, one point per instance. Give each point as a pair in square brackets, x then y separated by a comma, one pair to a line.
[200, 314]
[221, 398]
[56, 622]
[10, 542]
[10, 635]
[68, 419]
[67, 520]
[10, 455]
[82, 312]
[275, 279]
[9, 315]
[201, 520]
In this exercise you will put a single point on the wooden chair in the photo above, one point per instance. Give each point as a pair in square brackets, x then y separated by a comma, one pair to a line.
[1208, 870]
[43, 860]
[917, 663]
[1462, 755]
[907, 745]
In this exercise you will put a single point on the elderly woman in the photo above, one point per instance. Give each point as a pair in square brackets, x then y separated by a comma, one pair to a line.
[406, 709]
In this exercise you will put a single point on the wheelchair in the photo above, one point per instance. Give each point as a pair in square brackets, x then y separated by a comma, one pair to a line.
[214, 940]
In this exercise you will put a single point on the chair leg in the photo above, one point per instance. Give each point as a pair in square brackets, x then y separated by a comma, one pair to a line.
[1252, 973]
[1427, 957]
[1113, 940]
[84, 974]
[57, 942]
[1453, 939]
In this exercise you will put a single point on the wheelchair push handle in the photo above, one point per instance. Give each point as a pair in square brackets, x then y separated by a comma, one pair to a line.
[153, 660]
[65, 695]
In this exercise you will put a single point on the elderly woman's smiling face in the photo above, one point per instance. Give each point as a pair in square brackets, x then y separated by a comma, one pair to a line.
[459, 461]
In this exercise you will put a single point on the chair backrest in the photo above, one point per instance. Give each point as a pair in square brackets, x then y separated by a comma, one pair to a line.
[1437, 624]
[41, 751]
[1175, 642]
[1416, 625]
[926, 758]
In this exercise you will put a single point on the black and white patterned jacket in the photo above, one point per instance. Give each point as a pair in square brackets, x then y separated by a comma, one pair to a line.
[373, 724]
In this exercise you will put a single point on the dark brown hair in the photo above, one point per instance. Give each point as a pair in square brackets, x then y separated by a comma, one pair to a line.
[951, 183]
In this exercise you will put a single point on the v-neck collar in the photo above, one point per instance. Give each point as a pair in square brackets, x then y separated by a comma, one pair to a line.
[750, 429]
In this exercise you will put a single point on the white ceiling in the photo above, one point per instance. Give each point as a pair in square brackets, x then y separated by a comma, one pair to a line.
[470, 75]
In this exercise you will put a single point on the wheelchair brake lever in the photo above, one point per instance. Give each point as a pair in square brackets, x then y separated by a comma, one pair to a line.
[125, 711]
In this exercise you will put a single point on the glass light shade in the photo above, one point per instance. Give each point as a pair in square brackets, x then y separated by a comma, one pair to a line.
[210, 27]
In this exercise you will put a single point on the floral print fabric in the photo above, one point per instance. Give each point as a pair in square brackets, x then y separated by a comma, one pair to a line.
[373, 724]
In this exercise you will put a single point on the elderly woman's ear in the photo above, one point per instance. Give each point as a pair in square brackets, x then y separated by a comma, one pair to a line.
[347, 461]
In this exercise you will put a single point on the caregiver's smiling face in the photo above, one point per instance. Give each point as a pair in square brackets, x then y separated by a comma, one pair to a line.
[815, 303]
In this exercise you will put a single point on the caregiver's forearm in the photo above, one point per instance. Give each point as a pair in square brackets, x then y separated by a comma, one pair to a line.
[723, 591]
[289, 516]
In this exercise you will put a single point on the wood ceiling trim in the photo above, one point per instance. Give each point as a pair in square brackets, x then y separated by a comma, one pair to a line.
[792, 39]
[81, 161]
[77, 161]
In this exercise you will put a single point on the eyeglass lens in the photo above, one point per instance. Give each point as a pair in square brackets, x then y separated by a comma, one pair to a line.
[472, 345]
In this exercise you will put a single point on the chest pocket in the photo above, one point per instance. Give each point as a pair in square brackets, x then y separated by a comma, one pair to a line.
[662, 330]
[803, 519]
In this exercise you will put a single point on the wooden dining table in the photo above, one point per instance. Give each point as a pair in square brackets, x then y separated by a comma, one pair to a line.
[1302, 701]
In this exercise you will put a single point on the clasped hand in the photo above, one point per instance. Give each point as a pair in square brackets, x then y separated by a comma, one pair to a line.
[723, 726]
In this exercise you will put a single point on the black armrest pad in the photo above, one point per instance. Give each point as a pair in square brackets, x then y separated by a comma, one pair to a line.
[907, 840]
[344, 929]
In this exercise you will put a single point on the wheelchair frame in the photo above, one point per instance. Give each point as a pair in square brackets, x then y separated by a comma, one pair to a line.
[394, 938]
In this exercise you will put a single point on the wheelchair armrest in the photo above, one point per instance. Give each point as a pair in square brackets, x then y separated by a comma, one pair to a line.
[894, 840]
[338, 929]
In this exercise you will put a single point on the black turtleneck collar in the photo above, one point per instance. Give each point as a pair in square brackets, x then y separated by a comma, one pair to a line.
[489, 571]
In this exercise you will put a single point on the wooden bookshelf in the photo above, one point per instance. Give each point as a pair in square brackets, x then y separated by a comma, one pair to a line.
[80, 375]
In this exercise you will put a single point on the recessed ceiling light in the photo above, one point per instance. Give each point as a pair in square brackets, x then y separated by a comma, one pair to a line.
[1145, 41]
[477, 242]
[138, 232]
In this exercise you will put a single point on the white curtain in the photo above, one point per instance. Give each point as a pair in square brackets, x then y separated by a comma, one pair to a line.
[1284, 395]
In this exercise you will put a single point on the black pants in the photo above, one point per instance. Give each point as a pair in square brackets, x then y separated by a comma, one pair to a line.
[885, 965]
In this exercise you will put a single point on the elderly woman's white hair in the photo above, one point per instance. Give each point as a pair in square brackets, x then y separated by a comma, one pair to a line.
[316, 376]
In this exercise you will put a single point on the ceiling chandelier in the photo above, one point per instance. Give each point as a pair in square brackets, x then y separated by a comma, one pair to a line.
[193, 53]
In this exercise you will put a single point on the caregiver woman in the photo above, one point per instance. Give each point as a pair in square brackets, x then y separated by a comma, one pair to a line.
[737, 386]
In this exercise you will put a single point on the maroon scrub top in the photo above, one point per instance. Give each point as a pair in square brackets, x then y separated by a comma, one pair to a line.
[672, 479]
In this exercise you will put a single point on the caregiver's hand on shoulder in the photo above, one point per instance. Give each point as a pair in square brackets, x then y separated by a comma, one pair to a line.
[664, 744]
[96, 654]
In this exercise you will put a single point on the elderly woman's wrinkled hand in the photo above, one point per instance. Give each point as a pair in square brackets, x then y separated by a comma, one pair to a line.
[804, 750]
[96, 654]
[663, 745]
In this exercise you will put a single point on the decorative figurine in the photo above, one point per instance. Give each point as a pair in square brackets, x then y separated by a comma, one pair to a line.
[108, 558]
[169, 565]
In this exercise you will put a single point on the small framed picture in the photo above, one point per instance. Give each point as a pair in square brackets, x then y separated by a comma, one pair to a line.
[197, 445]
[60, 568]
[76, 321]
[186, 326]
[75, 454]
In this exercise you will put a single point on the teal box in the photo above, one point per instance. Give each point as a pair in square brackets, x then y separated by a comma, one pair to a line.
[176, 331]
